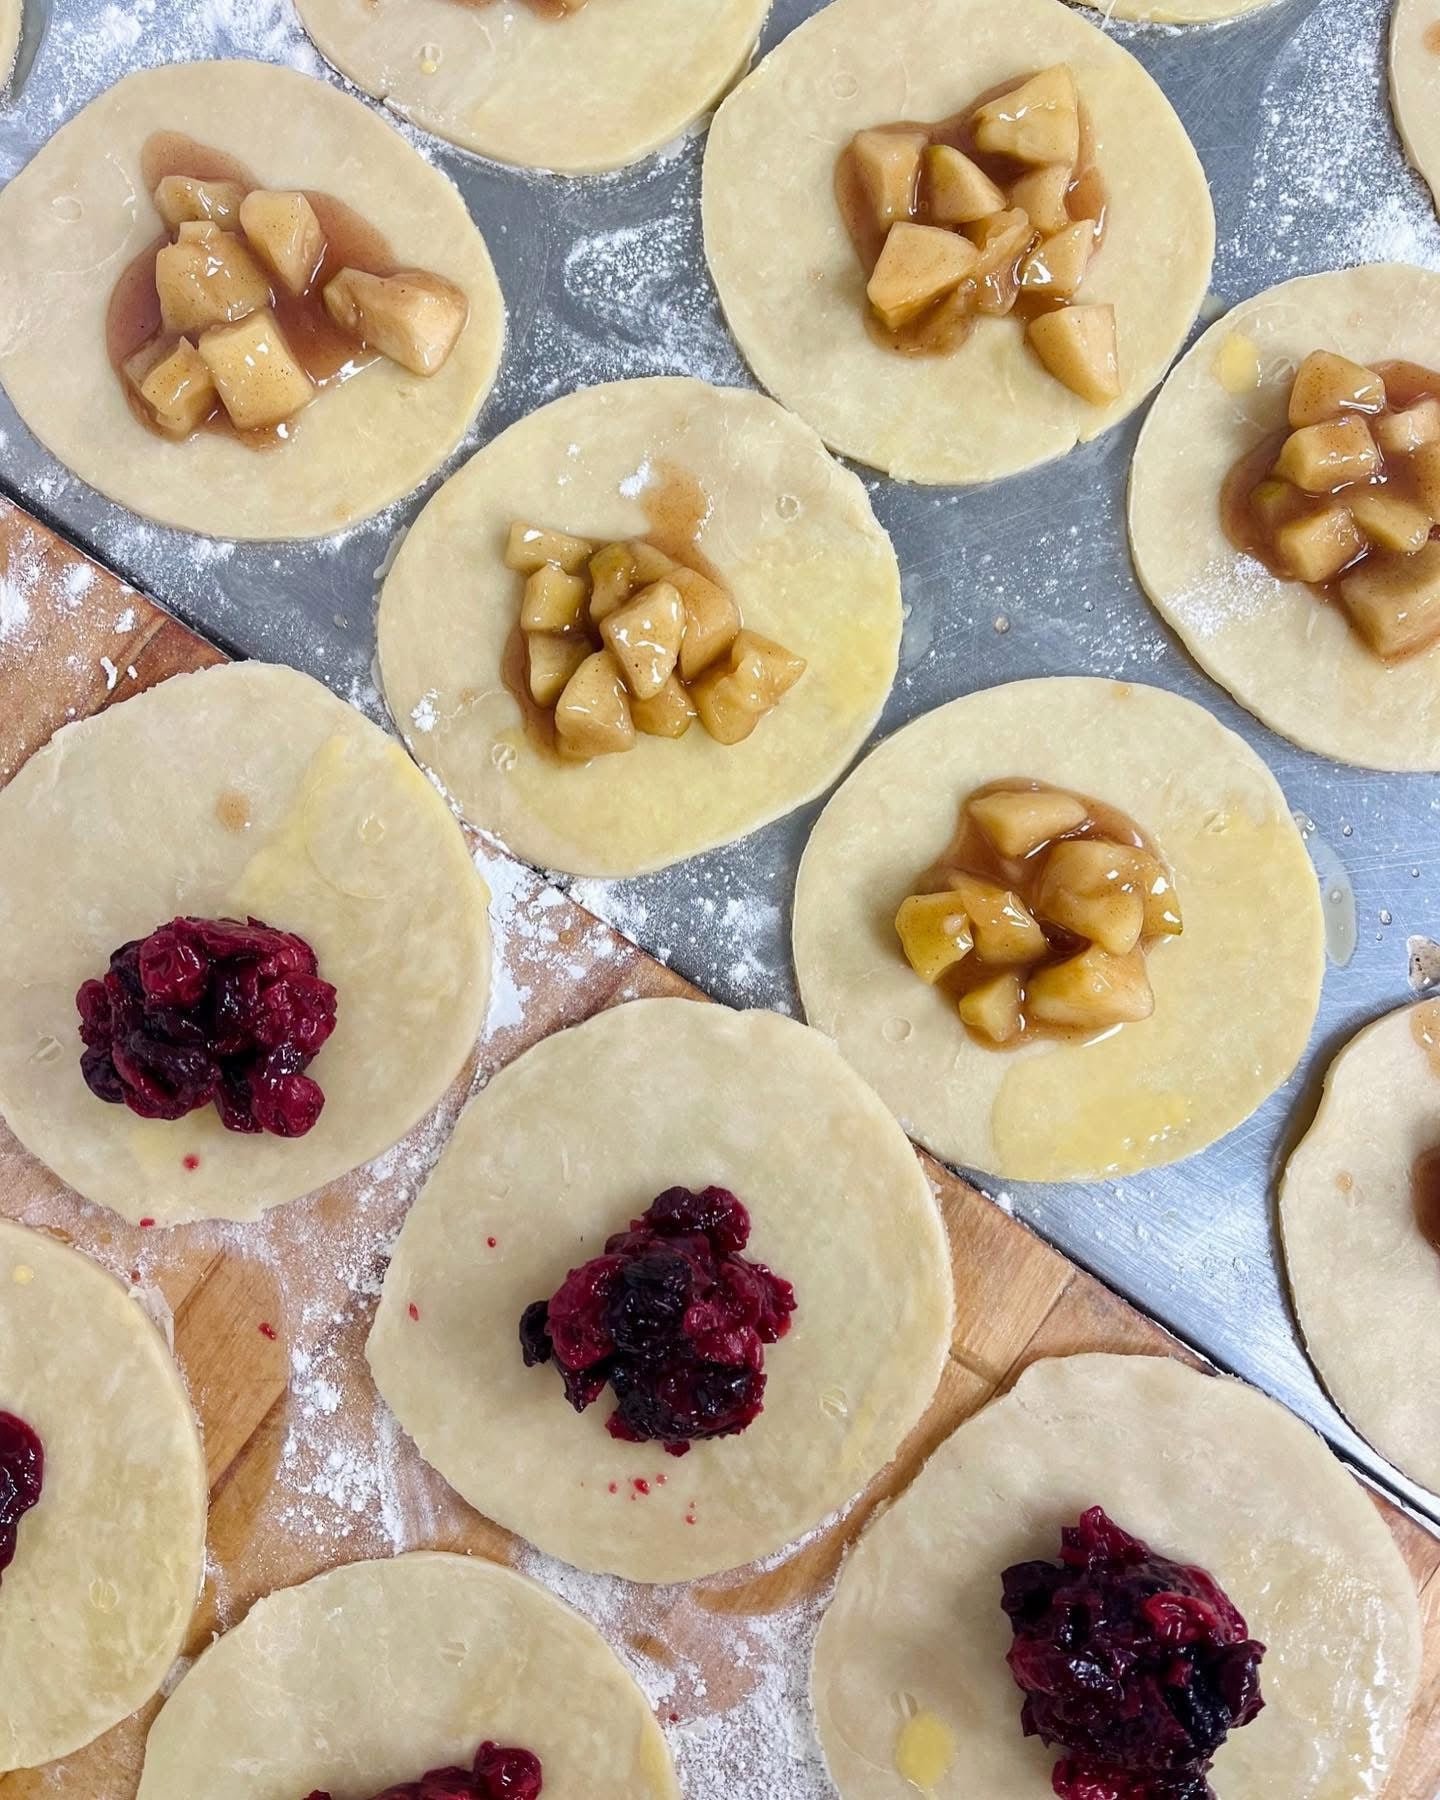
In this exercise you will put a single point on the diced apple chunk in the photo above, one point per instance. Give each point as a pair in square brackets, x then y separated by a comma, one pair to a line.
[1400, 433]
[1322, 458]
[1086, 887]
[1274, 501]
[1057, 264]
[1044, 194]
[1389, 522]
[1317, 546]
[261, 383]
[1425, 473]
[179, 198]
[284, 230]
[613, 579]
[592, 715]
[651, 564]
[999, 238]
[957, 190]
[177, 387]
[550, 662]
[668, 714]
[1077, 345]
[554, 601]
[919, 265]
[712, 621]
[644, 636]
[992, 1010]
[1020, 820]
[1005, 929]
[1091, 991]
[1037, 122]
[530, 547]
[414, 318]
[210, 280]
[1394, 602]
[934, 933]
[1157, 891]
[1328, 386]
[734, 694]
[888, 164]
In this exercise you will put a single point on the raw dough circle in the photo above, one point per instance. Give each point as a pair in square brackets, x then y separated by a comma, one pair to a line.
[1235, 996]
[108, 1566]
[565, 1147]
[1365, 1280]
[1205, 1470]
[792, 287]
[73, 220]
[11, 18]
[115, 827]
[594, 91]
[374, 1673]
[791, 533]
[1292, 661]
[1415, 84]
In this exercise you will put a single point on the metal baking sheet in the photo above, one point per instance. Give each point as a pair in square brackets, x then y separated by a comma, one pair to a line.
[606, 278]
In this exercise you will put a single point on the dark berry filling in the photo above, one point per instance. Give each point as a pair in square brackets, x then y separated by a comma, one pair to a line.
[1137, 1666]
[673, 1318]
[22, 1474]
[497, 1775]
[210, 1010]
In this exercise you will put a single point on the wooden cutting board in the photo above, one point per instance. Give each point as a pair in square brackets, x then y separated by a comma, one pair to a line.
[269, 1320]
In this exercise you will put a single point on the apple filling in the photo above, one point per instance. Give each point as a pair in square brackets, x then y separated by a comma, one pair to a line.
[996, 212]
[1347, 498]
[1040, 915]
[255, 300]
[620, 640]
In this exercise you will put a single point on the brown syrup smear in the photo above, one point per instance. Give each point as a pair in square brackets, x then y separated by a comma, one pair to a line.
[1431, 39]
[232, 810]
[1405, 384]
[328, 355]
[970, 852]
[1425, 1195]
[676, 508]
[946, 325]
[547, 9]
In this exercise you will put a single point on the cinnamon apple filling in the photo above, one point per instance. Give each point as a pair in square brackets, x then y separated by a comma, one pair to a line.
[1040, 915]
[1347, 498]
[621, 640]
[995, 212]
[256, 300]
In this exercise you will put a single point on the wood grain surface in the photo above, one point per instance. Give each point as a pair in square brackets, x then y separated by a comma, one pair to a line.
[307, 1469]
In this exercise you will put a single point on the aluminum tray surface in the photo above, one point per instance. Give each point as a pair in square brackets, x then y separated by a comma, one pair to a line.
[606, 278]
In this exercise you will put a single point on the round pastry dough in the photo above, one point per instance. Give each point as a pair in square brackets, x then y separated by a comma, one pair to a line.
[77, 217]
[1365, 1280]
[11, 18]
[793, 289]
[594, 91]
[1235, 995]
[108, 1566]
[1202, 1468]
[116, 826]
[566, 1146]
[1294, 662]
[790, 532]
[372, 1674]
[1415, 84]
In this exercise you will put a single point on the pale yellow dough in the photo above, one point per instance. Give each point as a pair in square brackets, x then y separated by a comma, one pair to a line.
[77, 217]
[1206, 1471]
[1177, 12]
[372, 1674]
[594, 91]
[1366, 1282]
[794, 291]
[1235, 996]
[116, 826]
[11, 18]
[564, 1148]
[1292, 660]
[108, 1564]
[789, 531]
[1415, 83]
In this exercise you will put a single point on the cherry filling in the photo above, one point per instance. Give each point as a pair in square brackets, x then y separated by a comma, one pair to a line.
[673, 1318]
[497, 1775]
[22, 1474]
[210, 1009]
[1137, 1666]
